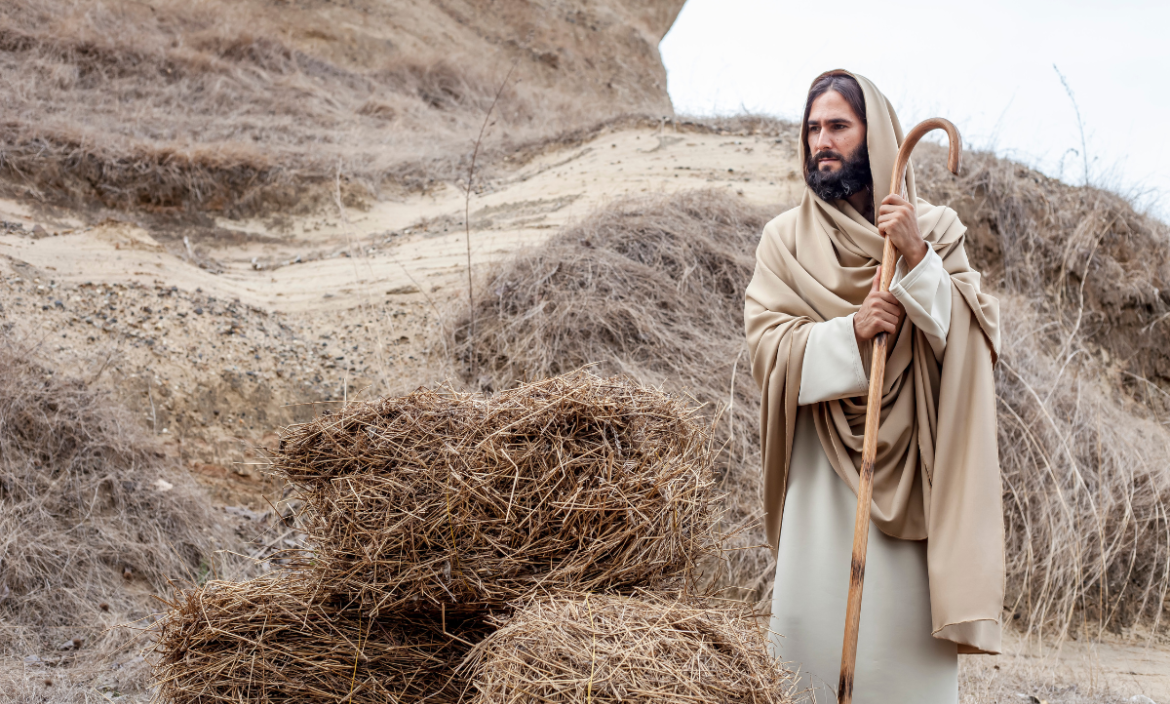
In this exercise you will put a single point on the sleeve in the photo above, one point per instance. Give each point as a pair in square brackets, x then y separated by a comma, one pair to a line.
[925, 293]
[832, 365]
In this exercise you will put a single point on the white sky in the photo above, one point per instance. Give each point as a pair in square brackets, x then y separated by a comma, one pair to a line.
[986, 66]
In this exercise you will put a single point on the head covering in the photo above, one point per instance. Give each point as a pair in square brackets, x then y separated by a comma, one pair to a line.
[937, 475]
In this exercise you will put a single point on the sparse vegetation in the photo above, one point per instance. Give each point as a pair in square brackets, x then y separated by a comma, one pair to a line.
[227, 106]
[93, 517]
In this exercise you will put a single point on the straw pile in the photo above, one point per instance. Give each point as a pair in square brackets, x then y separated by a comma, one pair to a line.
[620, 649]
[428, 514]
[453, 502]
[278, 638]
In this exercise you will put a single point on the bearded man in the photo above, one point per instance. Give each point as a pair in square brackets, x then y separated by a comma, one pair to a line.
[935, 568]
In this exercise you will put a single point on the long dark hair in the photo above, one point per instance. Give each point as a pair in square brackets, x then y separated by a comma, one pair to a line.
[842, 83]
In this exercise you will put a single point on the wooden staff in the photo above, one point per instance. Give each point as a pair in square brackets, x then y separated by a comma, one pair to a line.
[873, 411]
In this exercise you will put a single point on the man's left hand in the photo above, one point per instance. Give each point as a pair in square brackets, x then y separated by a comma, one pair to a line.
[898, 221]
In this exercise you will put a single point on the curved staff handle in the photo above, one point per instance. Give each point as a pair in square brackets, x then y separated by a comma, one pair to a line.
[873, 410]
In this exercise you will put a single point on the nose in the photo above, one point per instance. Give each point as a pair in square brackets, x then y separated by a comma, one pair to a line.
[821, 141]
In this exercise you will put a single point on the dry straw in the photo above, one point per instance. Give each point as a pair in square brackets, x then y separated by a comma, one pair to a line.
[651, 287]
[444, 502]
[590, 648]
[277, 638]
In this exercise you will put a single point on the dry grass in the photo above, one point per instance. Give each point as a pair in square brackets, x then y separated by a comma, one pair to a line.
[1086, 490]
[279, 638]
[653, 287]
[92, 517]
[453, 502]
[211, 105]
[588, 648]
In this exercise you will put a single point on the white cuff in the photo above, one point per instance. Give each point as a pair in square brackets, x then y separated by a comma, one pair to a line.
[925, 293]
[832, 363]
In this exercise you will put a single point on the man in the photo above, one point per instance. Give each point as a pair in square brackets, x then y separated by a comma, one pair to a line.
[935, 567]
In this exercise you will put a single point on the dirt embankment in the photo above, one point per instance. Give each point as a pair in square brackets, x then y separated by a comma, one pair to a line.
[216, 106]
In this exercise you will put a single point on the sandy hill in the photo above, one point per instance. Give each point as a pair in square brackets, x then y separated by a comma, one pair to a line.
[216, 106]
[224, 217]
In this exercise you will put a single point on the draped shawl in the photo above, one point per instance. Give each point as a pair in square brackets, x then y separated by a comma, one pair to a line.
[936, 476]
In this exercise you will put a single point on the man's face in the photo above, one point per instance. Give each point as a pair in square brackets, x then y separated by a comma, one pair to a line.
[838, 159]
[834, 131]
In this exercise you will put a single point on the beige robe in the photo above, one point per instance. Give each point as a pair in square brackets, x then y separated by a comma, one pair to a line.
[897, 659]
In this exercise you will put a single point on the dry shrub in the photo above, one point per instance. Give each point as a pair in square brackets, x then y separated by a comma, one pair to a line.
[452, 501]
[1097, 270]
[1086, 491]
[91, 514]
[651, 287]
[277, 638]
[622, 649]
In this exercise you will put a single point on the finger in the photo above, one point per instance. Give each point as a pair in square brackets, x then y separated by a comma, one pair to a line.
[876, 286]
[894, 199]
[891, 220]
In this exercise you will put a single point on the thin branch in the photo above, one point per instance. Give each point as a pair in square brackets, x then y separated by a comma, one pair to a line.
[467, 207]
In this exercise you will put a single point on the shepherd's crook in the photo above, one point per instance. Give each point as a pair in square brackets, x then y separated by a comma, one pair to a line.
[873, 410]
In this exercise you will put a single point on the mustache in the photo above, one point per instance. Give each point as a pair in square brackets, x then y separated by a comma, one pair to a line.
[821, 156]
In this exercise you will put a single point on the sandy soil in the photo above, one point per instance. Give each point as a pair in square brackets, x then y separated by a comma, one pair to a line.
[218, 336]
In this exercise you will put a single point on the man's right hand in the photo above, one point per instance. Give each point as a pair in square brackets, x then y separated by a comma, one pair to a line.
[881, 312]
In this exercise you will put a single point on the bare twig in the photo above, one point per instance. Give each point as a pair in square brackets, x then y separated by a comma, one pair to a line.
[467, 195]
[1080, 122]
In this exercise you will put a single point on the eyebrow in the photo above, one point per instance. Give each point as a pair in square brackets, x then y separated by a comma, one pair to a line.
[832, 121]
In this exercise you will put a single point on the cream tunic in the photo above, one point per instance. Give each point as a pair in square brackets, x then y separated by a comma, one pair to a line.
[898, 661]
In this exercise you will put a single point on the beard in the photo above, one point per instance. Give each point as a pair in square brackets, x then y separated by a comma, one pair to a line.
[854, 175]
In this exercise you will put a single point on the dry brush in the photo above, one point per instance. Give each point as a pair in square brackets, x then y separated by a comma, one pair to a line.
[283, 638]
[93, 517]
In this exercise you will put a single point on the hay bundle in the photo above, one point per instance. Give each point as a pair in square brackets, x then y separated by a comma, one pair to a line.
[453, 501]
[623, 649]
[277, 638]
[650, 287]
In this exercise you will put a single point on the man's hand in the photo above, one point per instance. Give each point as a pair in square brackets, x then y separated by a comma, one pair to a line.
[880, 312]
[898, 221]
